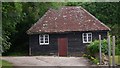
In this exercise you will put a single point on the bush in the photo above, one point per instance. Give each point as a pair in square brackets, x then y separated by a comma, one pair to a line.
[117, 50]
[92, 59]
[93, 48]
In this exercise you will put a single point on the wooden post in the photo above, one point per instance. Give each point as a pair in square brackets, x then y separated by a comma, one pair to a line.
[100, 50]
[30, 51]
[113, 51]
[29, 48]
[109, 50]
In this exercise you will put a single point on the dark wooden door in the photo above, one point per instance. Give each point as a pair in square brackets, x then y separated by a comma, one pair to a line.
[62, 46]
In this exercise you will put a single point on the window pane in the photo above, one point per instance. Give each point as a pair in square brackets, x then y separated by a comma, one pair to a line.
[46, 41]
[89, 39]
[46, 38]
[41, 41]
[85, 35]
[89, 35]
[85, 40]
[41, 36]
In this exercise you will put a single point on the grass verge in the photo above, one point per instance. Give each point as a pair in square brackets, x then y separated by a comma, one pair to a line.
[5, 64]
[117, 60]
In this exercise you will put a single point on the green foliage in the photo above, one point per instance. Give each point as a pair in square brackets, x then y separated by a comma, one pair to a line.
[92, 59]
[117, 50]
[6, 64]
[18, 17]
[6, 44]
[10, 19]
[93, 48]
[108, 13]
[95, 61]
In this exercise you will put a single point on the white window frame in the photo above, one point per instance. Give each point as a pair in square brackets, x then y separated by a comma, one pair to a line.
[87, 38]
[43, 36]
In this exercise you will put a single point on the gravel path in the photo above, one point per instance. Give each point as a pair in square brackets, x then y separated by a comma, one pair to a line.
[47, 61]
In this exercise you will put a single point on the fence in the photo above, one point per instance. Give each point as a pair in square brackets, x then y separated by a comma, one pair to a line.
[111, 52]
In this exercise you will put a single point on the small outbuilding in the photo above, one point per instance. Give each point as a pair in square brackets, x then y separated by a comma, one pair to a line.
[65, 32]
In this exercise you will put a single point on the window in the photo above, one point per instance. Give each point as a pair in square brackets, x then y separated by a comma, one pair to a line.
[44, 39]
[87, 37]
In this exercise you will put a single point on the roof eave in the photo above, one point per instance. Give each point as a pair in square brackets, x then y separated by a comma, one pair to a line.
[96, 19]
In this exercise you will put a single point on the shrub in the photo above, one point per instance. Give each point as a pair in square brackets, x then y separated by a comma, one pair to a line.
[92, 59]
[117, 50]
[95, 61]
[93, 48]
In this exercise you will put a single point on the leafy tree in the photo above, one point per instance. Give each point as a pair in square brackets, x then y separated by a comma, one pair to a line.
[108, 13]
[18, 17]
[9, 20]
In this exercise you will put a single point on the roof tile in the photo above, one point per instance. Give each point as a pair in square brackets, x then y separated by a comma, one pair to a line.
[67, 19]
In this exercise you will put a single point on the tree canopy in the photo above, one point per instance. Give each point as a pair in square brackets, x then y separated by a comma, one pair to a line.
[18, 17]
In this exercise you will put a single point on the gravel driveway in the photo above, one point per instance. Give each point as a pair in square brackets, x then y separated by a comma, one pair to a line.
[47, 61]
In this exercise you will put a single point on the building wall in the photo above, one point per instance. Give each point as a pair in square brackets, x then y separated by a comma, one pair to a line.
[76, 47]
[37, 49]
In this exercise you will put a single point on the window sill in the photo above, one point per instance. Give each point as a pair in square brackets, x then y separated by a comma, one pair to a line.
[86, 42]
[45, 44]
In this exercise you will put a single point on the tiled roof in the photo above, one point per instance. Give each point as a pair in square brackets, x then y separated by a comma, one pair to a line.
[67, 19]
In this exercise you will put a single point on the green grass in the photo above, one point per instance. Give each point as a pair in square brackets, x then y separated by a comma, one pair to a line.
[117, 60]
[5, 64]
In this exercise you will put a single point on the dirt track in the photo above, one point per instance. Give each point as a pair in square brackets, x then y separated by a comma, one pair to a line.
[47, 61]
